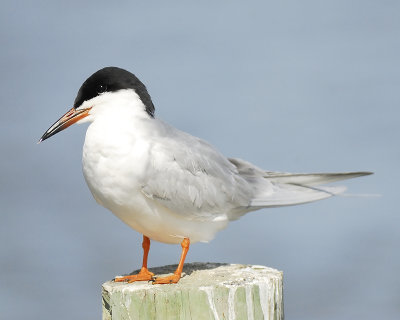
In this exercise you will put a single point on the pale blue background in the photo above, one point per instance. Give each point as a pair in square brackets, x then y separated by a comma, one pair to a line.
[296, 86]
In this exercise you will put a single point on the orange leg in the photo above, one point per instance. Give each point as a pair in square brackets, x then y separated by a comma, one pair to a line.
[144, 273]
[177, 274]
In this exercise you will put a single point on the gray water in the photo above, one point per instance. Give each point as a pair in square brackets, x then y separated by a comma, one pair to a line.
[294, 86]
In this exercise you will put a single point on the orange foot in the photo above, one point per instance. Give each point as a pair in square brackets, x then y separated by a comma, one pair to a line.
[170, 279]
[143, 275]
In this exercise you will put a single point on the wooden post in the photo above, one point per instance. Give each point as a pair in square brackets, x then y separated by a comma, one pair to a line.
[206, 291]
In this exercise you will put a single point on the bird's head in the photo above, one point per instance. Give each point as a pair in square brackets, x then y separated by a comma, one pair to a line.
[95, 95]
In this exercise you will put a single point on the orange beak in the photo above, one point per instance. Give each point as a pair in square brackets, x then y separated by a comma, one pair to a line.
[65, 121]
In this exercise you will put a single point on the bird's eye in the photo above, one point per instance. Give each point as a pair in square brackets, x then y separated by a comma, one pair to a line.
[101, 88]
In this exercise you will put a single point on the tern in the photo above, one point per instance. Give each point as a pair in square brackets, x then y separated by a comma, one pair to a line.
[166, 184]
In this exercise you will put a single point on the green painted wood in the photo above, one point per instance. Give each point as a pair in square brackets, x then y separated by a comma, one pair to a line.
[206, 291]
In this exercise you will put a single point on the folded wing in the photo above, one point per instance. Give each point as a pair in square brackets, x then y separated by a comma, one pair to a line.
[194, 181]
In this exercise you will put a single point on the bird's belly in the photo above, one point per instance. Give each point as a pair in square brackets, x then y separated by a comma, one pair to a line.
[116, 183]
[148, 217]
[160, 224]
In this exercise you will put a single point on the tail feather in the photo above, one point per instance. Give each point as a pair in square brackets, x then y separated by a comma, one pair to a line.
[290, 188]
[312, 179]
[289, 195]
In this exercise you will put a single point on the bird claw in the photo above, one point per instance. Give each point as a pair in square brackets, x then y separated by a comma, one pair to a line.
[143, 275]
[167, 280]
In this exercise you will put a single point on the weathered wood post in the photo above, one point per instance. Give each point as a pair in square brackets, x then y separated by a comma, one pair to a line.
[207, 291]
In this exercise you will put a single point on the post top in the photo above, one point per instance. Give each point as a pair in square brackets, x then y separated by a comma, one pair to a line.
[206, 291]
[199, 274]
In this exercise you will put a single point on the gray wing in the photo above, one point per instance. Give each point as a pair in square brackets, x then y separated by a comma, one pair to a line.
[192, 179]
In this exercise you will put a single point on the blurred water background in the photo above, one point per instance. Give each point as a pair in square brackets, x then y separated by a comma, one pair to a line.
[297, 86]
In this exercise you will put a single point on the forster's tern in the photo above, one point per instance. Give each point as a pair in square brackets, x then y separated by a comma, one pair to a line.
[164, 183]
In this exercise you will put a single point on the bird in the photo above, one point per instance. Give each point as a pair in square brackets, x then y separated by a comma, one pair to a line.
[166, 184]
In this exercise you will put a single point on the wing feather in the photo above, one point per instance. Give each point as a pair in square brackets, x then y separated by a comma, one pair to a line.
[192, 179]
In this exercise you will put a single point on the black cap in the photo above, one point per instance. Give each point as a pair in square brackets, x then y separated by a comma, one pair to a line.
[111, 79]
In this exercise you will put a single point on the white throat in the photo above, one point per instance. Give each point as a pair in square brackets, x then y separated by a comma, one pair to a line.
[115, 107]
[115, 152]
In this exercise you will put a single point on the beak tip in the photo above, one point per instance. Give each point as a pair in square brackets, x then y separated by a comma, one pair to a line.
[42, 138]
[71, 117]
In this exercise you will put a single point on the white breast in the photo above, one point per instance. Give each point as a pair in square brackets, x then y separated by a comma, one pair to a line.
[116, 154]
